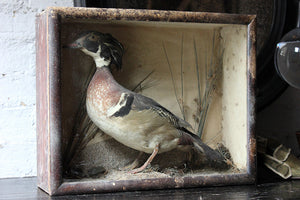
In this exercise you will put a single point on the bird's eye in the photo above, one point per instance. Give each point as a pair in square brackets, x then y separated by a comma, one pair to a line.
[93, 37]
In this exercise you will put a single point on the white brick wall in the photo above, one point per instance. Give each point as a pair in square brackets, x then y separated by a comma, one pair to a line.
[17, 85]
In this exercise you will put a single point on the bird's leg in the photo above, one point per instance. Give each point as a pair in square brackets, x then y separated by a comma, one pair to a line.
[154, 153]
[134, 164]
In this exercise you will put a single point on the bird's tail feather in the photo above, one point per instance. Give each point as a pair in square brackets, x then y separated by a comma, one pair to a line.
[214, 158]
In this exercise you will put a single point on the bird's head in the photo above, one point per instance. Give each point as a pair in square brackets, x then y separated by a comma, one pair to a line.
[102, 47]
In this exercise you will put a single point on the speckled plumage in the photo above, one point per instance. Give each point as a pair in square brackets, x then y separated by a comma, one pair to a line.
[144, 122]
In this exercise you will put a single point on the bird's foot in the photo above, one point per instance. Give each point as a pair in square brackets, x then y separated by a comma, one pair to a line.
[137, 170]
[154, 153]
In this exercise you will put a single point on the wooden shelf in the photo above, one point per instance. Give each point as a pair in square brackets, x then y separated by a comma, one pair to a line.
[26, 188]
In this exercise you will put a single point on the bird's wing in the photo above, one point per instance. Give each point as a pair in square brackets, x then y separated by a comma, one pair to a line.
[132, 101]
[141, 102]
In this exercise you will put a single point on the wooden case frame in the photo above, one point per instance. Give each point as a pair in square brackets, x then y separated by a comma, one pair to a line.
[48, 28]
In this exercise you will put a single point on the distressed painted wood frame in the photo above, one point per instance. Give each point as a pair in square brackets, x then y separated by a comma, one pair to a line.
[48, 81]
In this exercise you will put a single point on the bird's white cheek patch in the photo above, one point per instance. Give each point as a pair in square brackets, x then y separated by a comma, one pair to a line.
[100, 62]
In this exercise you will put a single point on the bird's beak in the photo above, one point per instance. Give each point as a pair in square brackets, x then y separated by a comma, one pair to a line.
[73, 45]
[77, 44]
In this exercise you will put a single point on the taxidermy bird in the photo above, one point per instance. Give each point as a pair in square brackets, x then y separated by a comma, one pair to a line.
[132, 119]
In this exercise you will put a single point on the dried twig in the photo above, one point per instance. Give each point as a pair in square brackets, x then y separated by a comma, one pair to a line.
[173, 81]
[83, 129]
[212, 73]
[211, 76]
[181, 78]
[197, 69]
[143, 80]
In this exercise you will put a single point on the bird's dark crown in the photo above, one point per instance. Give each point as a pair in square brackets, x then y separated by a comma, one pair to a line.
[111, 48]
